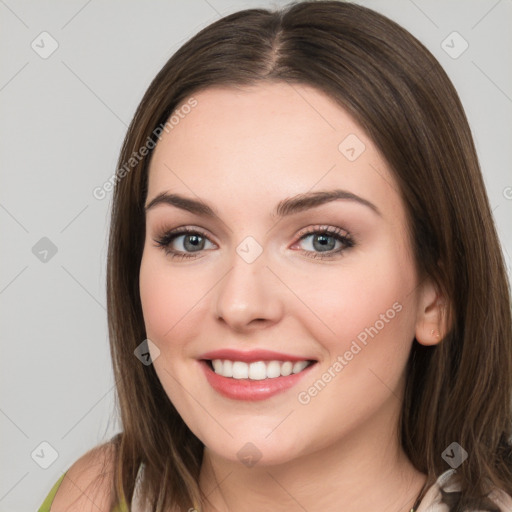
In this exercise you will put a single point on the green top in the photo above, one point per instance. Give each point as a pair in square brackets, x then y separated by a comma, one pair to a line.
[47, 503]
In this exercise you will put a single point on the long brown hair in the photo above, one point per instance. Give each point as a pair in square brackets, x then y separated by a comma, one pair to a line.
[457, 391]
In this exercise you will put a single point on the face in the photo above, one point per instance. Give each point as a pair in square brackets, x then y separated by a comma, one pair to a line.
[276, 269]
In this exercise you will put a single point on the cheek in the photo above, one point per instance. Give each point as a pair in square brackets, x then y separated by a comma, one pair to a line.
[163, 301]
[156, 298]
[174, 303]
[366, 297]
[372, 312]
[379, 319]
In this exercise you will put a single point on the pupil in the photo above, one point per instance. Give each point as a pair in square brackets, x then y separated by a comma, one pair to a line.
[192, 242]
[324, 246]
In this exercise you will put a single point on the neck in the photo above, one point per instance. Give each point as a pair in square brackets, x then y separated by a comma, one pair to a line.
[365, 470]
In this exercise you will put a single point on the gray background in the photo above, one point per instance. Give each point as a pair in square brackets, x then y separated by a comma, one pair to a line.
[62, 122]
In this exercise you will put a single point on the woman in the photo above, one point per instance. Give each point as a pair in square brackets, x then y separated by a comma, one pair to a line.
[308, 306]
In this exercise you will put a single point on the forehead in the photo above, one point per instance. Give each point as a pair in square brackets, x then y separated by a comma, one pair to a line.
[276, 116]
[271, 140]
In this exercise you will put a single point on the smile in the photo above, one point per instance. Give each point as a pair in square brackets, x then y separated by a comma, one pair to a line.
[257, 380]
[258, 370]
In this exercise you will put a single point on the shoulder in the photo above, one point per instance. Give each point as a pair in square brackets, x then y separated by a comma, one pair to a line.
[86, 486]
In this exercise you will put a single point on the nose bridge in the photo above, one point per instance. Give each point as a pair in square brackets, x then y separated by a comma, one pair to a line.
[248, 291]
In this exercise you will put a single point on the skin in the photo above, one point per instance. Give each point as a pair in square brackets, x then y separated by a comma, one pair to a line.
[243, 150]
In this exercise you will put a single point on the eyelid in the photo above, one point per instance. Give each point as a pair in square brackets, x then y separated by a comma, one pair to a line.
[184, 230]
[323, 228]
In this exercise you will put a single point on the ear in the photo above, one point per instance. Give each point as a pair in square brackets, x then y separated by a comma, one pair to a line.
[431, 318]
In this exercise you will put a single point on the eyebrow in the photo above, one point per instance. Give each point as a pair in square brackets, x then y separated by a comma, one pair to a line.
[284, 208]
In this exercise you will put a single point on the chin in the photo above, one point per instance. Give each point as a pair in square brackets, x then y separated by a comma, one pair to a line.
[254, 450]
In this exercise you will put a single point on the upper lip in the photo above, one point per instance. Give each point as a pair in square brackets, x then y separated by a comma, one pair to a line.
[251, 356]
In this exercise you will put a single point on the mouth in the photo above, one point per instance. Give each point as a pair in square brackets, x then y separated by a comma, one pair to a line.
[257, 375]
[256, 370]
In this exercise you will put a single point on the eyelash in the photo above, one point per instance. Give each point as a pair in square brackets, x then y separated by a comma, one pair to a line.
[340, 235]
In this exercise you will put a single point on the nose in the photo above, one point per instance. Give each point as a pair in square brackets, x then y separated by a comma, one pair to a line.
[248, 297]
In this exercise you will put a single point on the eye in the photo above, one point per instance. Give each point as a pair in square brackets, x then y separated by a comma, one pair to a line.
[183, 242]
[318, 242]
[329, 242]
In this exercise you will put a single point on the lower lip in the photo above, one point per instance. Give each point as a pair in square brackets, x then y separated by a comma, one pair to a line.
[251, 390]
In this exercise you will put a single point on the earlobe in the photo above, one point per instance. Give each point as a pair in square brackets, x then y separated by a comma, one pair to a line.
[431, 324]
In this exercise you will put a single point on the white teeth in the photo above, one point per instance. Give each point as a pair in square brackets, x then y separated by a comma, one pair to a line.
[299, 366]
[259, 370]
[273, 369]
[240, 370]
[287, 368]
[217, 365]
[227, 368]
